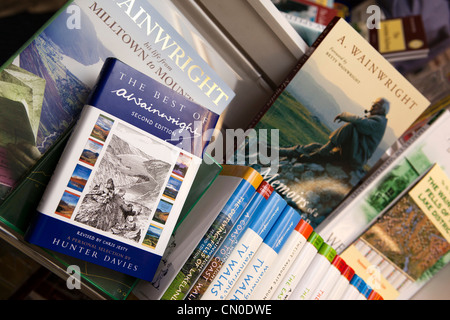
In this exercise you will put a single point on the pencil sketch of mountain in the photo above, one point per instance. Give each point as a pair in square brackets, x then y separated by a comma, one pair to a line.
[124, 190]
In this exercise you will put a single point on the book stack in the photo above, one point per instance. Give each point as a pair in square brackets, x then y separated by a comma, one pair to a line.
[43, 90]
[119, 197]
[262, 250]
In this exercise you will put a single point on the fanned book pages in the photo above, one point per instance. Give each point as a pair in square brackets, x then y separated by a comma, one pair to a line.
[124, 175]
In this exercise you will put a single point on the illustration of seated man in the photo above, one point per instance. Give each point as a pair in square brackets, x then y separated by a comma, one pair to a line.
[352, 144]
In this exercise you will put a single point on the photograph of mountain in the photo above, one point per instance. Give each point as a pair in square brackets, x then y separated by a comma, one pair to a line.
[182, 165]
[59, 56]
[172, 188]
[79, 178]
[408, 238]
[152, 236]
[162, 211]
[91, 152]
[67, 204]
[102, 128]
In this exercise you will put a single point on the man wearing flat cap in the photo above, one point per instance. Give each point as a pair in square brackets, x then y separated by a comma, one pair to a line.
[352, 144]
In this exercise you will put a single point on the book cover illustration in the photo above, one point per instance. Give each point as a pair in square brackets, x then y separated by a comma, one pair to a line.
[69, 51]
[341, 108]
[409, 242]
[21, 98]
[120, 208]
[405, 166]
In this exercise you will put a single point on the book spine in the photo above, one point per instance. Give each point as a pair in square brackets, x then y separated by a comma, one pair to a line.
[375, 296]
[353, 289]
[298, 268]
[304, 22]
[329, 280]
[265, 255]
[287, 255]
[222, 253]
[268, 213]
[213, 237]
[364, 292]
[315, 273]
[341, 284]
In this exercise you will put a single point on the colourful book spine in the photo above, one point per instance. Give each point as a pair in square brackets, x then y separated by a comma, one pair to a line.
[215, 235]
[341, 284]
[268, 212]
[190, 231]
[265, 256]
[286, 257]
[330, 279]
[315, 272]
[365, 292]
[222, 253]
[353, 290]
[298, 267]
[375, 296]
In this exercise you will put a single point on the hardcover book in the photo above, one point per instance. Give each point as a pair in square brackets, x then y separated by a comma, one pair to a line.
[336, 114]
[400, 39]
[51, 76]
[222, 193]
[409, 242]
[122, 180]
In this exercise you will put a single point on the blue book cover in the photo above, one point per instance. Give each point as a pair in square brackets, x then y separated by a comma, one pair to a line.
[223, 252]
[122, 179]
[260, 225]
[265, 255]
[214, 235]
